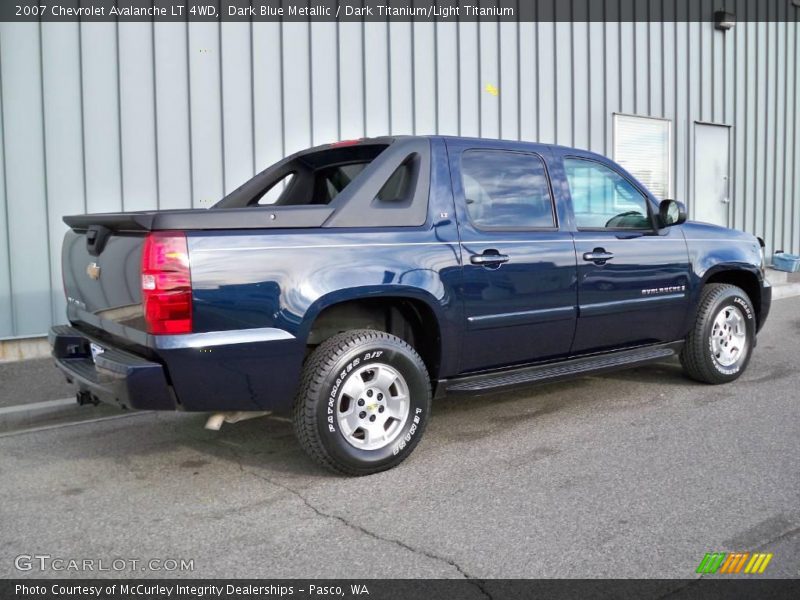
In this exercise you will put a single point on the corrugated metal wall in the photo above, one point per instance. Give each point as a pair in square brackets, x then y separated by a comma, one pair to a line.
[107, 117]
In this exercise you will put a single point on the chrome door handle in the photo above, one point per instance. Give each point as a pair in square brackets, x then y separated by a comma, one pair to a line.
[488, 259]
[598, 256]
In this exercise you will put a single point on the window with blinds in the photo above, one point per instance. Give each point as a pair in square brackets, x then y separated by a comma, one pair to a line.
[643, 146]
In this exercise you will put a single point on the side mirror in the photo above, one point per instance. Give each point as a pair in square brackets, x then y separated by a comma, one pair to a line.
[671, 212]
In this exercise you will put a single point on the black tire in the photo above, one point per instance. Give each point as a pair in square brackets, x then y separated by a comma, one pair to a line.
[698, 357]
[328, 370]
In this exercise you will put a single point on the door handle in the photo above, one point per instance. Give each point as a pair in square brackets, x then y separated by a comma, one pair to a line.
[489, 258]
[598, 256]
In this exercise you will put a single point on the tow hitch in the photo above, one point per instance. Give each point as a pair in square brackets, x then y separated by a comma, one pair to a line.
[83, 397]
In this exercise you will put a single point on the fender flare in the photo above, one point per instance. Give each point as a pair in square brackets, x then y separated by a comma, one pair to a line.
[372, 292]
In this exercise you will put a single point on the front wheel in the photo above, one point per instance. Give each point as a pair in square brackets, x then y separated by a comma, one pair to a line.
[718, 347]
[363, 402]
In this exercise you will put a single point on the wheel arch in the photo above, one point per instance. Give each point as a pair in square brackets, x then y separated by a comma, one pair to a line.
[747, 279]
[410, 314]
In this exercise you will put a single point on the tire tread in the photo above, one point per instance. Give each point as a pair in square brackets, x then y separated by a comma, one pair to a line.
[316, 369]
[692, 355]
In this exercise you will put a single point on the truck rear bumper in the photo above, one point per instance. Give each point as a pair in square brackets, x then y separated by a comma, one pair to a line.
[112, 376]
[245, 370]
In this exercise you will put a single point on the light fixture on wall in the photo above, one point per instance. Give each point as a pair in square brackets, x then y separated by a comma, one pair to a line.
[724, 20]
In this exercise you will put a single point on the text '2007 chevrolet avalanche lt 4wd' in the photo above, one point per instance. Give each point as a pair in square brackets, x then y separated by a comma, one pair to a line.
[350, 283]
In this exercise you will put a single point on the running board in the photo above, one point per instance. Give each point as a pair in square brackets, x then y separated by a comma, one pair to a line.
[574, 367]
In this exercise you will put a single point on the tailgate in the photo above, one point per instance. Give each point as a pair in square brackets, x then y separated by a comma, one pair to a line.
[102, 279]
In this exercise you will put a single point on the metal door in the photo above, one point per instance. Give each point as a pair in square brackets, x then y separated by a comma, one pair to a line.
[632, 278]
[711, 199]
[519, 289]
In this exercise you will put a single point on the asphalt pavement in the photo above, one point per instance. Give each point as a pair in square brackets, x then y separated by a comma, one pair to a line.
[631, 474]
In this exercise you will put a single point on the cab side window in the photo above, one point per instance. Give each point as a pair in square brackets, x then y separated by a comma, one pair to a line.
[506, 190]
[603, 199]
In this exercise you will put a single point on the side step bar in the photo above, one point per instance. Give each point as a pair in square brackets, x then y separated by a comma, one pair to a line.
[571, 368]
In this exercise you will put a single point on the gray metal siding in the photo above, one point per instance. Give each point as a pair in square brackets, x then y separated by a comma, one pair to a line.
[106, 117]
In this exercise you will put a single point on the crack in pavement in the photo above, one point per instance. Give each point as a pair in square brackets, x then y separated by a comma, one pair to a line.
[478, 583]
[778, 538]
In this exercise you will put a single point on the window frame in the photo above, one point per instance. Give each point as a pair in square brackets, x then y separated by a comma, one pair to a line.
[632, 183]
[670, 143]
[553, 208]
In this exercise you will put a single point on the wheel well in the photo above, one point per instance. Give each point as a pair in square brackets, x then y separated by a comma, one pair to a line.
[411, 320]
[743, 279]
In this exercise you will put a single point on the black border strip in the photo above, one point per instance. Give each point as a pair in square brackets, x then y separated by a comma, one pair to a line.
[406, 589]
[405, 10]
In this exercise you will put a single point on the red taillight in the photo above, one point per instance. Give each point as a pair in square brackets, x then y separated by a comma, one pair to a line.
[166, 283]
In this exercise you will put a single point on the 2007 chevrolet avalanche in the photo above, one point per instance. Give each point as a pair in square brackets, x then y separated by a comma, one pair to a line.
[351, 282]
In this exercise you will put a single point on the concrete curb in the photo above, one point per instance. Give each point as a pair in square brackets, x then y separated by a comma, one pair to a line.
[785, 290]
[24, 348]
[22, 416]
[784, 285]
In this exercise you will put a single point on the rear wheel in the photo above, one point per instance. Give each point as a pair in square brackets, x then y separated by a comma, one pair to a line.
[363, 402]
[718, 347]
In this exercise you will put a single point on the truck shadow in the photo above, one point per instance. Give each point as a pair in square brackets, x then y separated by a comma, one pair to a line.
[266, 448]
[664, 374]
[267, 445]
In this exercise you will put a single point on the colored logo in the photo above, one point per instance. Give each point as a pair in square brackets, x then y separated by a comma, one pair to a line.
[492, 89]
[734, 562]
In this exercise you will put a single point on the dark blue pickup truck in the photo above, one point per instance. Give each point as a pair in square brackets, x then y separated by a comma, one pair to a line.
[350, 283]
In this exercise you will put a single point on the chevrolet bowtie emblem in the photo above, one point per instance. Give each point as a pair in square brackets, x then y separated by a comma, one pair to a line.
[93, 271]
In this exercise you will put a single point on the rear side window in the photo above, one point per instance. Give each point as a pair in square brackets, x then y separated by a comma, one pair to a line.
[506, 190]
